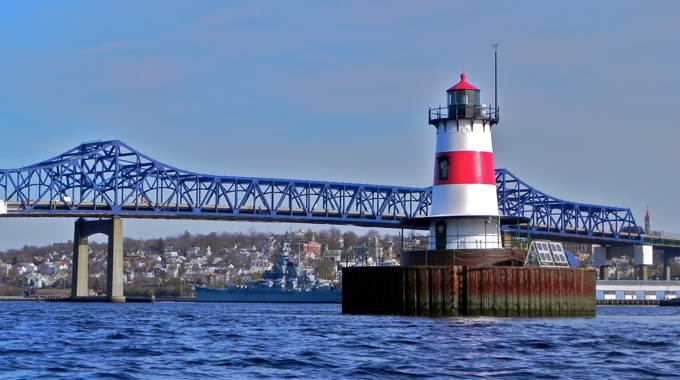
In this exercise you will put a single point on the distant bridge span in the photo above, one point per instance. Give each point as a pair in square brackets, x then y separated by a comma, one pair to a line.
[110, 179]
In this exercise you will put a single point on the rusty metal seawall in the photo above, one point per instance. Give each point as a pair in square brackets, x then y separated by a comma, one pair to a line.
[464, 291]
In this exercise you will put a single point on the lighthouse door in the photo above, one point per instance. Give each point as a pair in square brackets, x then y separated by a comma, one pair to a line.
[440, 235]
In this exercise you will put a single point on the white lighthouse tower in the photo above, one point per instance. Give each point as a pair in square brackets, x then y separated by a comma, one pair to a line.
[464, 213]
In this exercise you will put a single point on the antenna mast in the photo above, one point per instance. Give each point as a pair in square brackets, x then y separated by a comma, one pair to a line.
[495, 76]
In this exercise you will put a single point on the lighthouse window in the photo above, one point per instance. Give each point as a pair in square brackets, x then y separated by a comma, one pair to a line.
[444, 164]
[461, 97]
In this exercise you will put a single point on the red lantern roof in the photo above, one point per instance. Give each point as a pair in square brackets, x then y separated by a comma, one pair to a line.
[462, 85]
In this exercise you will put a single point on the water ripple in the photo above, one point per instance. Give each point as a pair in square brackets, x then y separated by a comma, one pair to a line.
[243, 341]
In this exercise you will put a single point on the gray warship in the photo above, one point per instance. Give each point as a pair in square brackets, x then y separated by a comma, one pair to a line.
[284, 283]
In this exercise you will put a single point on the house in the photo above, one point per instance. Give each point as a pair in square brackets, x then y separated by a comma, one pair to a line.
[332, 254]
[196, 264]
[169, 255]
[158, 270]
[311, 247]
[215, 268]
[48, 268]
[35, 280]
[197, 252]
[5, 269]
[25, 268]
[62, 266]
[172, 270]
[149, 274]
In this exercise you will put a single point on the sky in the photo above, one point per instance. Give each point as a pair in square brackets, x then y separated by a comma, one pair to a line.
[339, 91]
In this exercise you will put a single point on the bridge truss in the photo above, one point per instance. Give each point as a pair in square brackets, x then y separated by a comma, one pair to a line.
[553, 216]
[112, 179]
[106, 179]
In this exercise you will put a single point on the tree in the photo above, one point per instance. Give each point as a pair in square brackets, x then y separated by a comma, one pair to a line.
[324, 269]
[372, 233]
[331, 236]
[350, 239]
[158, 246]
[132, 245]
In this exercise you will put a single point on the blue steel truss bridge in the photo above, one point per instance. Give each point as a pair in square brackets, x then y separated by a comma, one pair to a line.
[106, 179]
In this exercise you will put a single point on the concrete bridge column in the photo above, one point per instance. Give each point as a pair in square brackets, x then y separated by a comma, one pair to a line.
[642, 272]
[666, 258]
[80, 275]
[602, 272]
[113, 228]
[602, 260]
[114, 278]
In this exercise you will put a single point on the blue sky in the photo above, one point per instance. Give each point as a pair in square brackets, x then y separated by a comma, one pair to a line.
[339, 91]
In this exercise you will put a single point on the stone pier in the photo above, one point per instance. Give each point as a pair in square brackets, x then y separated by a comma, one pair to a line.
[113, 228]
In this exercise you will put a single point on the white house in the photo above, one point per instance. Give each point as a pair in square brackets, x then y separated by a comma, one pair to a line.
[26, 268]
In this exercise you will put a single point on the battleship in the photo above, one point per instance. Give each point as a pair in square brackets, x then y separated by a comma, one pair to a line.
[284, 283]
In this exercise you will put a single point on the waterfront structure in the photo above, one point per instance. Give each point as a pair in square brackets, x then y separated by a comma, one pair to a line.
[637, 290]
[641, 254]
[464, 211]
[465, 270]
[464, 221]
[469, 291]
[113, 228]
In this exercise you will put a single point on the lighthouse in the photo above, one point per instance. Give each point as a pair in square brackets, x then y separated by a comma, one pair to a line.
[462, 268]
[464, 220]
[464, 212]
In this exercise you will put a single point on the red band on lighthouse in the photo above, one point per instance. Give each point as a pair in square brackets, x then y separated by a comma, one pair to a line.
[465, 168]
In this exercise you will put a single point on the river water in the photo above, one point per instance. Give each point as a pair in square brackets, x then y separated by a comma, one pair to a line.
[291, 341]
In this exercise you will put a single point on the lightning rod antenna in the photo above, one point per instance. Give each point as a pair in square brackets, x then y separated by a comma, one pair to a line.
[495, 76]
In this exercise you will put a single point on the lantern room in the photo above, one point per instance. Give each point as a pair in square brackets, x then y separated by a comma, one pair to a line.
[463, 100]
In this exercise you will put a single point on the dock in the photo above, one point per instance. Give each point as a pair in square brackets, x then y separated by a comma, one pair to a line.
[627, 302]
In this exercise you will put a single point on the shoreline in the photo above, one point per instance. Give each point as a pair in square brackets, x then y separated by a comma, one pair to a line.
[50, 298]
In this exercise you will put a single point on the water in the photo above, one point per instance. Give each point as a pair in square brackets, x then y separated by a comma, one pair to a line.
[260, 341]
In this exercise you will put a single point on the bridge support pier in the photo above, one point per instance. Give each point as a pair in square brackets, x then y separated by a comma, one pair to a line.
[668, 255]
[113, 228]
[642, 272]
[666, 260]
[602, 272]
[641, 255]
